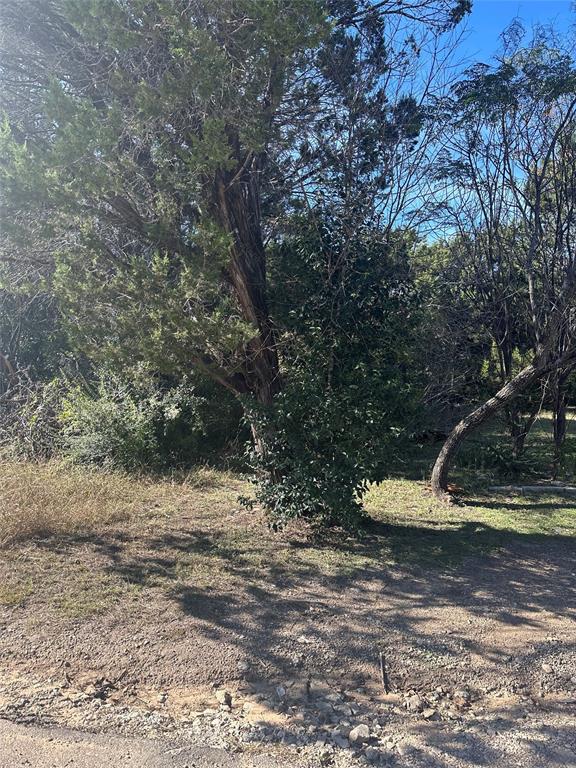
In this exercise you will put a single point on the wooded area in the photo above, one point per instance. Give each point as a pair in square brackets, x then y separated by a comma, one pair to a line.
[302, 225]
[287, 384]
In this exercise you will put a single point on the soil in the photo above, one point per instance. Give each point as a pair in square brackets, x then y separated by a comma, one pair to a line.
[479, 659]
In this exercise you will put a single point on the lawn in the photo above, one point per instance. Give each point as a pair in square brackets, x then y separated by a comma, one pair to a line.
[191, 530]
[174, 588]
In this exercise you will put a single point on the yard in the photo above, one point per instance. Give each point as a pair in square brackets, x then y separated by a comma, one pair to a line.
[163, 607]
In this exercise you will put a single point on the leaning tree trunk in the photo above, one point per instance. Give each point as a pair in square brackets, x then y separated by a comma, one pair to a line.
[547, 360]
[479, 416]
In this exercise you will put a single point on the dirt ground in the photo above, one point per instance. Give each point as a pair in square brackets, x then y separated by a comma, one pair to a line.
[124, 632]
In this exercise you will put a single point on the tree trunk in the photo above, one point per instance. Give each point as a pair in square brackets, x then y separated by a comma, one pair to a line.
[237, 209]
[559, 419]
[547, 360]
[235, 206]
[479, 416]
[520, 427]
[517, 432]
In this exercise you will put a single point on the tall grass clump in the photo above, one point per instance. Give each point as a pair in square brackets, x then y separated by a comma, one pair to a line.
[52, 498]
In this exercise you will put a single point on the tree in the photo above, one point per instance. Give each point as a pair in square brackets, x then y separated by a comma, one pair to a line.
[478, 310]
[151, 148]
[512, 172]
[350, 315]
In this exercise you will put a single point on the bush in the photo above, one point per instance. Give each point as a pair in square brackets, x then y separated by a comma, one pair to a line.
[323, 447]
[132, 423]
[348, 314]
[29, 419]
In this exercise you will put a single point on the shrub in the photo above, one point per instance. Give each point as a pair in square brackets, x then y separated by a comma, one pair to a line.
[323, 447]
[348, 311]
[29, 419]
[132, 423]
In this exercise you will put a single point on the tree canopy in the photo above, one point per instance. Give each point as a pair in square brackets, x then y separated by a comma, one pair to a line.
[295, 201]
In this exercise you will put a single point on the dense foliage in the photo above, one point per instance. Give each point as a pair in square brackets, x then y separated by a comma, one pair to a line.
[349, 312]
[223, 217]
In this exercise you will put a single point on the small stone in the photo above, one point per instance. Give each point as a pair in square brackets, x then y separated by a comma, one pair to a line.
[429, 713]
[162, 697]
[224, 697]
[359, 734]
[462, 693]
[405, 748]
[280, 691]
[372, 754]
[414, 703]
[547, 668]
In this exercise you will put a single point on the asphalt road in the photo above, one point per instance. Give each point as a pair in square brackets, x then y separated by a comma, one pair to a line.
[31, 747]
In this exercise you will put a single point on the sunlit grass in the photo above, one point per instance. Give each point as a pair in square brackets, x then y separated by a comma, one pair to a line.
[79, 542]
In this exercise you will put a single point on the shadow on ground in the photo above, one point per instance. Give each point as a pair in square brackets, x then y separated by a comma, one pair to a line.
[453, 604]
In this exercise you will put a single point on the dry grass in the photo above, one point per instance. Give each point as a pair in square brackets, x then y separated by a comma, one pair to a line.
[14, 591]
[188, 532]
[39, 500]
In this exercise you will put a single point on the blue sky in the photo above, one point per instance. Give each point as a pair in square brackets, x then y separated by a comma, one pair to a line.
[490, 17]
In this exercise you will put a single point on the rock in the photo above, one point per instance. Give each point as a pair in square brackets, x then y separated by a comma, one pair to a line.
[462, 693]
[359, 734]
[461, 697]
[339, 733]
[224, 697]
[405, 748]
[414, 703]
[372, 754]
[429, 713]
[547, 668]
[280, 691]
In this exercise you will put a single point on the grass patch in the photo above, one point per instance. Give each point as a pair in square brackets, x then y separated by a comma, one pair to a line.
[419, 529]
[189, 532]
[15, 593]
[90, 593]
[41, 500]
